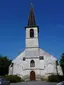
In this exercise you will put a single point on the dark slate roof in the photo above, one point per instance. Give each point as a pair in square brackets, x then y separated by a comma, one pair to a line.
[31, 19]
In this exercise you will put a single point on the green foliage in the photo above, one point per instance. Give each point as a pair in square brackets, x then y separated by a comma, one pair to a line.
[4, 65]
[61, 78]
[53, 78]
[13, 78]
[44, 79]
[62, 62]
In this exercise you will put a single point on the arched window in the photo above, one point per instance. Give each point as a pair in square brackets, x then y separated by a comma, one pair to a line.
[32, 63]
[31, 33]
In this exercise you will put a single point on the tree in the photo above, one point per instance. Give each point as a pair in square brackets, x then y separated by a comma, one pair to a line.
[62, 62]
[4, 65]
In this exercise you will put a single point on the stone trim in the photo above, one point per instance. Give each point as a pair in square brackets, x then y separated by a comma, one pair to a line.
[33, 69]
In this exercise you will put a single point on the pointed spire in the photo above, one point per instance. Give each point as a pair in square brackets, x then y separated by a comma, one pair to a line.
[31, 19]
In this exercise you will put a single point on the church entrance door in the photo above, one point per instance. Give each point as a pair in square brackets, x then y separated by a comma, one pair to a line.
[32, 75]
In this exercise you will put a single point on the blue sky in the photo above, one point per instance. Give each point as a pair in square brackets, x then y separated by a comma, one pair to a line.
[14, 17]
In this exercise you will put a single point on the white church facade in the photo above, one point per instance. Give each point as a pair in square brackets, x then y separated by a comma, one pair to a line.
[34, 63]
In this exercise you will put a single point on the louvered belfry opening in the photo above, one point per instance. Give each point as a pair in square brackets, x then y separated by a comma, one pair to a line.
[31, 33]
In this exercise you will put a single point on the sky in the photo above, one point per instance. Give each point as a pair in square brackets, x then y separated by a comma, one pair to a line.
[49, 16]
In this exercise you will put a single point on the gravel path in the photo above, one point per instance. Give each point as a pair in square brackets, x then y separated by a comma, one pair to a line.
[33, 83]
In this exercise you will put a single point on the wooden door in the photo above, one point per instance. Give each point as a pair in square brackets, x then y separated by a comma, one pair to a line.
[32, 75]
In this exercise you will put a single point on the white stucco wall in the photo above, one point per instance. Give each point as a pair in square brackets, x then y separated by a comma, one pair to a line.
[32, 42]
[42, 67]
[32, 52]
[28, 32]
[59, 70]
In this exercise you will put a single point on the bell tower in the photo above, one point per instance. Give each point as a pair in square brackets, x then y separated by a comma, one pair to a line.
[32, 31]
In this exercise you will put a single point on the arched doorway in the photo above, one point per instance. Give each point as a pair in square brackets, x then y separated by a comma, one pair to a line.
[32, 75]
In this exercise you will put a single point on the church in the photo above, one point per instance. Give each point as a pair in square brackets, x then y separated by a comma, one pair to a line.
[34, 63]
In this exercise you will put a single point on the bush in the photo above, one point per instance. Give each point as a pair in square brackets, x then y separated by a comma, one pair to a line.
[53, 78]
[61, 78]
[13, 78]
[44, 79]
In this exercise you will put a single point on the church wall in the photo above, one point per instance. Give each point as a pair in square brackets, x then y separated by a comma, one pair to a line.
[17, 64]
[50, 69]
[49, 62]
[32, 42]
[19, 58]
[17, 69]
[37, 64]
[23, 70]
[42, 67]
[42, 64]
[10, 70]
[59, 70]
[32, 52]
[42, 73]
[28, 32]
[38, 73]
[26, 64]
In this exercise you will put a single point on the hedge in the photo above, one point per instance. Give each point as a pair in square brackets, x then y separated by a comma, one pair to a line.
[13, 78]
[61, 78]
[53, 78]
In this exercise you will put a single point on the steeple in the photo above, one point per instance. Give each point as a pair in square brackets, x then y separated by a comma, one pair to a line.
[31, 19]
[32, 31]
